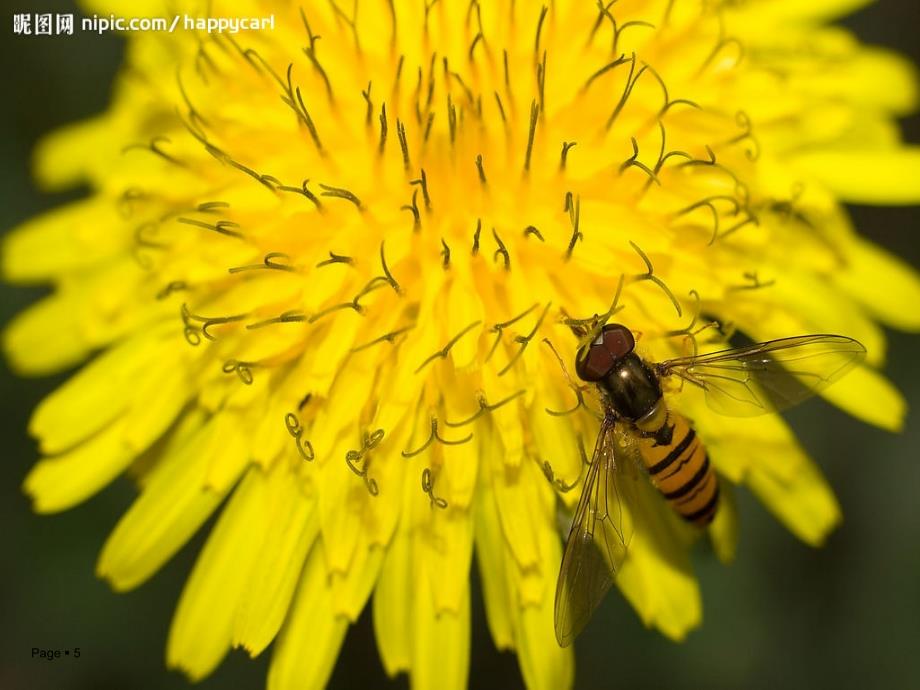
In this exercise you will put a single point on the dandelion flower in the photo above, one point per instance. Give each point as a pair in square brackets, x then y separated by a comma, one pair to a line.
[321, 268]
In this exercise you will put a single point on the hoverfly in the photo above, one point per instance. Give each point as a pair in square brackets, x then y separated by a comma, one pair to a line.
[638, 430]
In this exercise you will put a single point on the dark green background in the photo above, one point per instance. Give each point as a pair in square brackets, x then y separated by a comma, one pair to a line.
[783, 615]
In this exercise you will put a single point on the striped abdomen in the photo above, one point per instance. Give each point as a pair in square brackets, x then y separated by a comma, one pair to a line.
[678, 465]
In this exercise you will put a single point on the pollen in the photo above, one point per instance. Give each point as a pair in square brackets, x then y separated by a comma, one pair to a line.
[331, 277]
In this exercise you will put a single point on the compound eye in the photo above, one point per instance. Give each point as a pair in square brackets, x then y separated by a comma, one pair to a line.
[595, 361]
[618, 340]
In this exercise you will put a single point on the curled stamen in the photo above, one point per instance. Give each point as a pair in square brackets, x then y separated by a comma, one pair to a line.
[435, 436]
[668, 103]
[336, 259]
[650, 275]
[627, 91]
[723, 43]
[373, 284]
[499, 328]
[310, 52]
[294, 99]
[574, 211]
[359, 462]
[428, 488]
[633, 161]
[501, 251]
[482, 172]
[154, 147]
[292, 316]
[579, 390]
[334, 308]
[369, 112]
[386, 272]
[386, 337]
[340, 193]
[143, 236]
[533, 230]
[696, 314]
[444, 351]
[383, 129]
[445, 254]
[222, 226]
[403, 143]
[242, 369]
[413, 209]
[207, 323]
[524, 341]
[753, 282]
[303, 191]
[744, 122]
[422, 182]
[536, 42]
[295, 429]
[476, 40]
[271, 262]
[171, 287]
[541, 85]
[351, 22]
[603, 70]
[485, 407]
[209, 206]
[560, 485]
[534, 113]
[566, 145]
[501, 109]
[476, 236]
[128, 199]
[582, 327]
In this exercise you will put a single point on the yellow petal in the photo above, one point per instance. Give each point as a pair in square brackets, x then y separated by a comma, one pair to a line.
[869, 396]
[444, 543]
[393, 605]
[200, 634]
[308, 646]
[657, 577]
[173, 505]
[160, 393]
[514, 496]
[60, 158]
[724, 528]
[44, 338]
[63, 240]
[804, 502]
[271, 584]
[544, 664]
[490, 555]
[440, 641]
[867, 177]
[893, 300]
[351, 590]
[61, 482]
[91, 398]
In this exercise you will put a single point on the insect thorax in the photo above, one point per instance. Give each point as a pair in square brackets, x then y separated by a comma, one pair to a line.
[631, 388]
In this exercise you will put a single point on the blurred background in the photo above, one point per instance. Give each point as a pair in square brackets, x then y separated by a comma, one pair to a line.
[783, 615]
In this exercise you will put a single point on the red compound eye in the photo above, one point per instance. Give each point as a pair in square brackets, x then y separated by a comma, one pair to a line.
[595, 361]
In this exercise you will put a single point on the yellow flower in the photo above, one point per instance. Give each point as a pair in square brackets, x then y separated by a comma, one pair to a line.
[320, 265]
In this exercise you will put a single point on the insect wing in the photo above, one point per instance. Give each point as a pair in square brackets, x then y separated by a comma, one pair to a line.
[600, 533]
[768, 377]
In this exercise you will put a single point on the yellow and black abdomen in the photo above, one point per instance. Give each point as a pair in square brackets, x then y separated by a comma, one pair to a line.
[678, 465]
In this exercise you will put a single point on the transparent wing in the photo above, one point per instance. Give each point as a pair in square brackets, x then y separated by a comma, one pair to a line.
[768, 377]
[600, 534]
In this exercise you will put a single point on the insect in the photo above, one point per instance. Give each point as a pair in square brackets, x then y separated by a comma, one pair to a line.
[639, 433]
